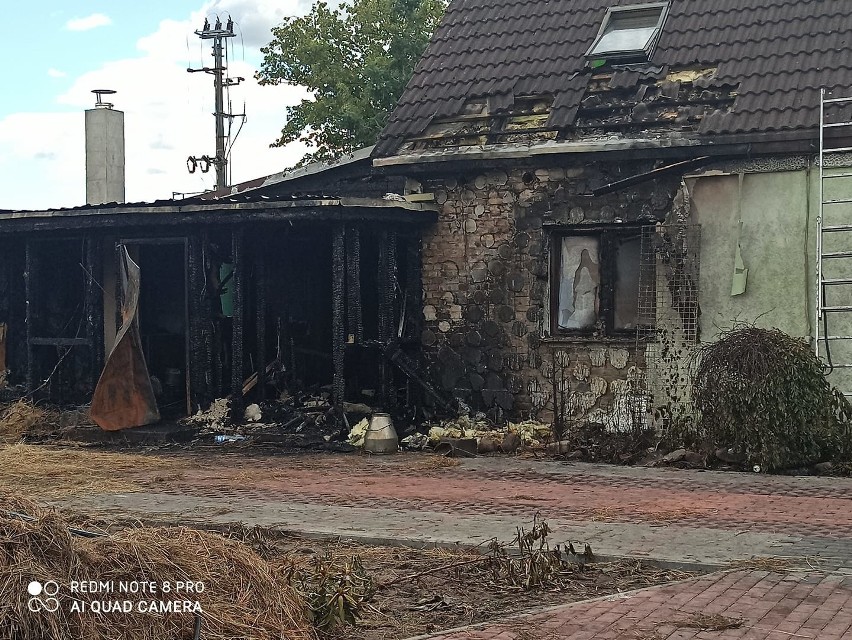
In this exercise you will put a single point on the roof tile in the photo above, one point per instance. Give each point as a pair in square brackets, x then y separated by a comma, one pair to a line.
[779, 52]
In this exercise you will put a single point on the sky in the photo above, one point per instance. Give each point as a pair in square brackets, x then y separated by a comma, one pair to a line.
[57, 51]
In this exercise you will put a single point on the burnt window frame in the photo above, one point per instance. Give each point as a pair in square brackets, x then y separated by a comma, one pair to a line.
[608, 238]
[613, 14]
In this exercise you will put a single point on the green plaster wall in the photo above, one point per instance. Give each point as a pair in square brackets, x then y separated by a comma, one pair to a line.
[776, 246]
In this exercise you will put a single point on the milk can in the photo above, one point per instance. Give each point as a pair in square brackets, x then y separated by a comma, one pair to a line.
[381, 436]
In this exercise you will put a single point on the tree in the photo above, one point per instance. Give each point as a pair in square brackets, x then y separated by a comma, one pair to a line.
[355, 59]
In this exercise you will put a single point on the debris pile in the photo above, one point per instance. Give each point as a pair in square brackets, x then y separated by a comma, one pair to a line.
[490, 438]
[235, 593]
[299, 422]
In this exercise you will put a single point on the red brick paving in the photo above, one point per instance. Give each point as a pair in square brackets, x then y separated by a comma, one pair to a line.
[732, 501]
[771, 606]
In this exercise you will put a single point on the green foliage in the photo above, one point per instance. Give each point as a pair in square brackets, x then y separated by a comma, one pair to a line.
[355, 60]
[764, 394]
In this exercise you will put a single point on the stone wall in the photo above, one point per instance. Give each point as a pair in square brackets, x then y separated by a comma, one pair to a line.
[486, 304]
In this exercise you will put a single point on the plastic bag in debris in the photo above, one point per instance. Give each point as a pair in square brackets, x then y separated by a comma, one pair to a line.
[253, 413]
[357, 433]
[415, 442]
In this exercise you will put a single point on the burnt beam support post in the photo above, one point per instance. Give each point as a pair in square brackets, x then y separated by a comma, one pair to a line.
[95, 306]
[30, 271]
[387, 298]
[413, 288]
[237, 320]
[260, 304]
[338, 326]
[199, 362]
[355, 316]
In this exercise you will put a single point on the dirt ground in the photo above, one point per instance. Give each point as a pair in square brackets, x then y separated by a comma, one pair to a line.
[419, 591]
[416, 591]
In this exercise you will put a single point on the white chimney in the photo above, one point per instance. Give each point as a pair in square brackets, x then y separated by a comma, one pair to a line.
[104, 152]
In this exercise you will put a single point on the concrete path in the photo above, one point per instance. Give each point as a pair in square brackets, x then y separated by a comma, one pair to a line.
[670, 516]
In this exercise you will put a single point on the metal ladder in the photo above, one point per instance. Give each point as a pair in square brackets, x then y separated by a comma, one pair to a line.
[834, 293]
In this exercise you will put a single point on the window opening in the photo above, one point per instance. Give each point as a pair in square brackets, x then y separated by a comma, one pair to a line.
[629, 32]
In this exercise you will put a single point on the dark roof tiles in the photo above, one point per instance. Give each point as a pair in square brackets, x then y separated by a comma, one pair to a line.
[777, 52]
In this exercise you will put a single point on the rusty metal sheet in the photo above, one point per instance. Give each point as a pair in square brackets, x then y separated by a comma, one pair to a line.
[124, 396]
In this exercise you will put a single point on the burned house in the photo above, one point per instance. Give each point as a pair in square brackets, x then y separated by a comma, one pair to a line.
[568, 197]
[618, 182]
[287, 280]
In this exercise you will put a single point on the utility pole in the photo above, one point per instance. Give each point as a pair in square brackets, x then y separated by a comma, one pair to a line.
[220, 81]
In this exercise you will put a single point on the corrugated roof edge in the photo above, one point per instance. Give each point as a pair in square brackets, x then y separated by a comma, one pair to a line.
[313, 169]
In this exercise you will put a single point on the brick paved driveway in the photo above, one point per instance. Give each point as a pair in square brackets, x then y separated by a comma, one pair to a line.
[667, 515]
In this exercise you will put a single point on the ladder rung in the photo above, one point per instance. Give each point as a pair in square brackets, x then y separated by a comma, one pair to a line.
[841, 366]
[835, 337]
[837, 175]
[841, 201]
[838, 254]
[836, 124]
[838, 227]
[829, 100]
[836, 281]
[837, 150]
[844, 307]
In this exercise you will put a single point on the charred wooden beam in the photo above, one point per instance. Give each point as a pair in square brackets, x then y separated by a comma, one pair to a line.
[387, 298]
[30, 269]
[237, 320]
[260, 307]
[338, 339]
[650, 175]
[413, 288]
[353, 284]
[199, 365]
[95, 306]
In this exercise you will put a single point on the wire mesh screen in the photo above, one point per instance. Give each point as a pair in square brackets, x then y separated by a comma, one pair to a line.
[668, 330]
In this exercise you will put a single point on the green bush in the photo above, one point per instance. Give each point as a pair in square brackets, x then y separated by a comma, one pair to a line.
[764, 394]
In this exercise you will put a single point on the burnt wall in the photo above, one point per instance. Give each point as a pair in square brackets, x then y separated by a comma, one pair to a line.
[487, 267]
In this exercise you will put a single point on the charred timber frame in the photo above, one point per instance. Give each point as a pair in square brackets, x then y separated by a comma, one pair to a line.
[338, 339]
[30, 268]
[199, 363]
[355, 314]
[260, 308]
[94, 306]
[387, 299]
[237, 320]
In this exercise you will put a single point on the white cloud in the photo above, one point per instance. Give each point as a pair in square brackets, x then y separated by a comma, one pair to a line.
[167, 118]
[89, 22]
[56, 73]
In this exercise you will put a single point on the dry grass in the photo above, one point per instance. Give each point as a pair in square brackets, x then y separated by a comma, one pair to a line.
[46, 472]
[431, 462]
[665, 516]
[708, 622]
[603, 514]
[771, 563]
[243, 595]
[23, 417]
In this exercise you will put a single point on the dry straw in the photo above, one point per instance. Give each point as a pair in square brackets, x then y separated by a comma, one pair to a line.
[22, 418]
[47, 472]
[244, 596]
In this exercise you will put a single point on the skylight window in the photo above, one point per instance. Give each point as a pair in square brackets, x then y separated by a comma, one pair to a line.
[629, 32]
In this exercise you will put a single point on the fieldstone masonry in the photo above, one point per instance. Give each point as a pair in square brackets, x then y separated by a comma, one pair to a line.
[486, 273]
